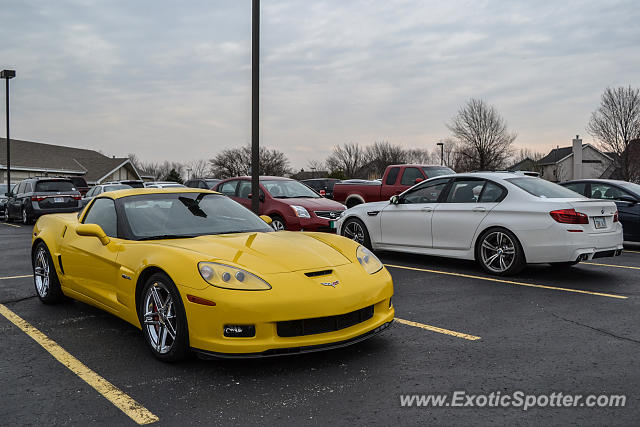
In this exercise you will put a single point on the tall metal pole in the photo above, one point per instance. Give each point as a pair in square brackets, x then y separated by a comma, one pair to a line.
[8, 143]
[441, 154]
[255, 107]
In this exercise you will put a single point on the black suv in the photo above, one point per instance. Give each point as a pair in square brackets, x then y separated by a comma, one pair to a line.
[34, 197]
[206, 183]
[322, 186]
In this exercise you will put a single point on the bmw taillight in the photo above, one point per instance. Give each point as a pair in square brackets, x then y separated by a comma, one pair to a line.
[569, 216]
[615, 217]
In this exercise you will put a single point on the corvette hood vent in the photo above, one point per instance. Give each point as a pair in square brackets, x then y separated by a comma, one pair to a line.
[318, 273]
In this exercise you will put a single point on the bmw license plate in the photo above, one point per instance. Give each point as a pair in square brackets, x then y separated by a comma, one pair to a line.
[58, 200]
[600, 222]
[332, 225]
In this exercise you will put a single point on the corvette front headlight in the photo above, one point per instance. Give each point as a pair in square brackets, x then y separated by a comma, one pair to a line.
[224, 276]
[368, 260]
[300, 211]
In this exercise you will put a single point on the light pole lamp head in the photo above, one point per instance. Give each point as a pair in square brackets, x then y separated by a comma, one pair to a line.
[7, 74]
[440, 143]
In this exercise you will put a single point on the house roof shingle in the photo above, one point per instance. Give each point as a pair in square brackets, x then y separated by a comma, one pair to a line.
[58, 158]
[556, 155]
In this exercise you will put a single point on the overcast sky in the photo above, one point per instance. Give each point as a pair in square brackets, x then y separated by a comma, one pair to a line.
[172, 80]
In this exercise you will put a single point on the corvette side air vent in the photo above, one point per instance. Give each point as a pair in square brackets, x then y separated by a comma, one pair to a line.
[318, 273]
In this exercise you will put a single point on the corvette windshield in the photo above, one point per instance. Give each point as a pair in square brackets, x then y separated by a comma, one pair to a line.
[178, 215]
[284, 189]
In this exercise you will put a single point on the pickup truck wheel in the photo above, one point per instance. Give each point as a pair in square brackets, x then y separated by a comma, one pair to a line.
[355, 230]
[353, 202]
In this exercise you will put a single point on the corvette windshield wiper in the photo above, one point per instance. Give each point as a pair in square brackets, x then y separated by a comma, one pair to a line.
[167, 236]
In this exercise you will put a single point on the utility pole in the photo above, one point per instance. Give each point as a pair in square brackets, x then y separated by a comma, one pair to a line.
[255, 106]
[8, 75]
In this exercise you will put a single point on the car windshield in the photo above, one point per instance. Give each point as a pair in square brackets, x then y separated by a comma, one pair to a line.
[634, 188]
[136, 184]
[288, 189]
[545, 189]
[177, 215]
[116, 187]
[57, 186]
[432, 171]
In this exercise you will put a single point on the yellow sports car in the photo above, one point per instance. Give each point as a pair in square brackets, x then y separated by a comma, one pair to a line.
[197, 271]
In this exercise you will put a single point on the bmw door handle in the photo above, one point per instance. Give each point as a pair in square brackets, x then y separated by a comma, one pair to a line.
[479, 209]
[427, 209]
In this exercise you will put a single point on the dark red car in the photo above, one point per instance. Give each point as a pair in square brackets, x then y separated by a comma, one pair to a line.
[290, 204]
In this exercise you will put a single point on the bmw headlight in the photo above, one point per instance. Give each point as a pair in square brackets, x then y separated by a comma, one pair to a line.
[368, 260]
[300, 211]
[224, 276]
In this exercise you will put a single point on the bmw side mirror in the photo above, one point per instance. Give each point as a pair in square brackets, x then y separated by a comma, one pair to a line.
[394, 200]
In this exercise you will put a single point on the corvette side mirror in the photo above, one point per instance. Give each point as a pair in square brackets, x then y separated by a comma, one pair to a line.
[394, 200]
[93, 230]
[267, 219]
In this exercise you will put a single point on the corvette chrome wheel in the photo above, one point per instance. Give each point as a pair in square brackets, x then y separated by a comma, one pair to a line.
[160, 318]
[41, 272]
[354, 231]
[498, 251]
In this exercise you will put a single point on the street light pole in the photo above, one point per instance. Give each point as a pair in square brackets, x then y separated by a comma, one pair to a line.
[8, 75]
[255, 106]
[441, 144]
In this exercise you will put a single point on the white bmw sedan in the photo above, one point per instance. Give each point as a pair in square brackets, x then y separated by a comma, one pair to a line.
[502, 220]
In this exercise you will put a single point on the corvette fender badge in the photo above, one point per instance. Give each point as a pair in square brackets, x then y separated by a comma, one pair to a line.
[332, 284]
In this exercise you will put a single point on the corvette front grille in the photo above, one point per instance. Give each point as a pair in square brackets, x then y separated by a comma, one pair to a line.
[320, 325]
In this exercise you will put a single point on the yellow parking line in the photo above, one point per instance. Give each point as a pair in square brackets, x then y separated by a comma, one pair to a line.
[510, 282]
[633, 252]
[113, 394]
[439, 330]
[611, 265]
[11, 225]
[15, 277]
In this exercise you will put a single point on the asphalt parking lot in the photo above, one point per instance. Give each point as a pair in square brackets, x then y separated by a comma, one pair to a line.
[571, 330]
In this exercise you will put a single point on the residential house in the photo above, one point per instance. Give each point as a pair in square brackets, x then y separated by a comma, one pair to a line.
[576, 162]
[29, 159]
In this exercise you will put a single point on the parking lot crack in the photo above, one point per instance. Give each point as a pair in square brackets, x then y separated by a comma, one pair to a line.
[602, 331]
[13, 301]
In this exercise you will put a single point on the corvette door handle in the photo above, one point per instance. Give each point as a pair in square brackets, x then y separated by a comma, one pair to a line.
[479, 209]
[427, 209]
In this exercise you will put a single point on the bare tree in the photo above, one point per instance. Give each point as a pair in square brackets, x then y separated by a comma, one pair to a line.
[483, 136]
[237, 162]
[382, 154]
[616, 123]
[348, 158]
[316, 165]
[198, 168]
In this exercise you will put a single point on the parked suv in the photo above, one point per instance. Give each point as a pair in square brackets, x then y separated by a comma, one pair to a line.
[206, 183]
[323, 186]
[290, 204]
[4, 189]
[34, 197]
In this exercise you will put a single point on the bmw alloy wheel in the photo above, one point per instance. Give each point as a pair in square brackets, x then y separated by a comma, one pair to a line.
[498, 251]
[41, 272]
[160, 317]
[354, 231]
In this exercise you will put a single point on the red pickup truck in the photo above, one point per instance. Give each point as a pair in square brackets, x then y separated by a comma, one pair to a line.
[396, 179]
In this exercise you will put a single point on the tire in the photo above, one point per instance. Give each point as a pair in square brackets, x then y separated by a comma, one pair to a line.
[501, 246]
[277, 223]
[355, 230]
[6, 215]
[163, 319]
[353, 202]
[25, 217]
[45, 277]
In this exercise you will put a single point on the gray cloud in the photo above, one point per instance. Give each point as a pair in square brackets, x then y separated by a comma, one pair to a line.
[172, 81]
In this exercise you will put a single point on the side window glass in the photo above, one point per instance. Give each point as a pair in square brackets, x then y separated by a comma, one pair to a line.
[491, 193]
[229, 188]
[244, 189]
[428, 193]
[465, 191]
[103, 213]
[20, 188]
[202, 184]
[605, 191]
[410, 175]
[392, 176]
[29, 188]
[578, 187]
